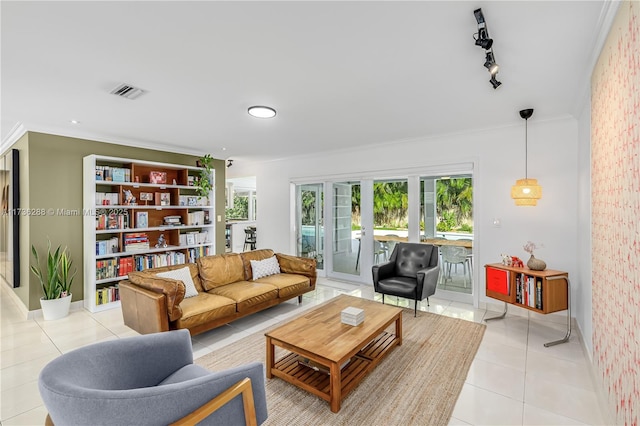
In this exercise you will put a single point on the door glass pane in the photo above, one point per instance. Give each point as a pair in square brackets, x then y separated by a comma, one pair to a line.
[446, 209]
[310, 227]
[390, 217]
[346, 227]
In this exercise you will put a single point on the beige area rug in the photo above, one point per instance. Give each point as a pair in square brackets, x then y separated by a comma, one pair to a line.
[418, 383]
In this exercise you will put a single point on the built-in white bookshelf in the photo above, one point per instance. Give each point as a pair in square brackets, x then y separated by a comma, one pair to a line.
[138, 215]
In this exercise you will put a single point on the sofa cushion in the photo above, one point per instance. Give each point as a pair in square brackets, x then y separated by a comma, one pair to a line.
[204, 308]
[221, 269]
[182, 274]
[264, 268]
[193, 270]
[248, 256]
[287, 284]
[247, 293]
[172, 289]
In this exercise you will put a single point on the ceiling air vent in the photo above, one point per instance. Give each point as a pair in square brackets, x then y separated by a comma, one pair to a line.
[127, 91]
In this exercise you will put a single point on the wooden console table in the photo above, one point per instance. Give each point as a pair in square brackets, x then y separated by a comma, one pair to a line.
[538, 291]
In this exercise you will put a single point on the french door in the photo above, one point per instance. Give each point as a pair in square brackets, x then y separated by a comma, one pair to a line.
[349, 225]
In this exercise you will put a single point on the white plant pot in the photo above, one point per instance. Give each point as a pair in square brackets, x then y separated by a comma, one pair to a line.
[55, 308]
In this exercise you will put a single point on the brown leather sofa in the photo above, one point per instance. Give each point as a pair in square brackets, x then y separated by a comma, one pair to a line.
[226, 292]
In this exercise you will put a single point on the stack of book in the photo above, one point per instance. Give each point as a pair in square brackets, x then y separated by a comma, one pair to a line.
[136, 242]
[352, 316]
[173, 220]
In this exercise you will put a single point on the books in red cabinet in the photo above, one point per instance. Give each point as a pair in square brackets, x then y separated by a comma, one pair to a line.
[498, 280]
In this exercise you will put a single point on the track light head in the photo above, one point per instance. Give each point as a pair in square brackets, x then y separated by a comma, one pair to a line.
[495, 83]
[483, 39]
[490, 63]
[229, 162]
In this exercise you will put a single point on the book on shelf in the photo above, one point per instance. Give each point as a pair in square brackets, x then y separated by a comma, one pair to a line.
[106, 220]
[107, 198]
[156, 260]
[196, 252]
[317, 366]
[107, 246]
[195, 218]
[114, 174]
[529, 291]
[136, 242]
[108, 294]
[174, 220]
[107, 268]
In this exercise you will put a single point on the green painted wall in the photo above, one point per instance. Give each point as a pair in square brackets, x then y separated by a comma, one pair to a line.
[54, 175]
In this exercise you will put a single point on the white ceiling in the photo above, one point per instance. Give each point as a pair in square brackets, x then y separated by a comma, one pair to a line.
[339, 73]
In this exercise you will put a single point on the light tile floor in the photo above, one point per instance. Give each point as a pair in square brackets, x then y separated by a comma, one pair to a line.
[513, 380]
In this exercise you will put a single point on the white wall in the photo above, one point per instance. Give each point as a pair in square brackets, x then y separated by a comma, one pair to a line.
[583, 281]
[499, 157]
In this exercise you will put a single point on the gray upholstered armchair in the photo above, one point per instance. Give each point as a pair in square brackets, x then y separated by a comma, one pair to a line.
[412, 272]
[149, 379]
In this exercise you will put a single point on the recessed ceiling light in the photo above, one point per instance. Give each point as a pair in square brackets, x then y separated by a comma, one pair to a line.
[75, 122]
[261, 111]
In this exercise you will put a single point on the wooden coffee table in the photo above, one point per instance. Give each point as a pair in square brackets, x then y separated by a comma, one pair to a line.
[319, 344]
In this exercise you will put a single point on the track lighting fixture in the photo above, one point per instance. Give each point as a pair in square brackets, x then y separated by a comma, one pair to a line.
[229, 162]
[483, 40]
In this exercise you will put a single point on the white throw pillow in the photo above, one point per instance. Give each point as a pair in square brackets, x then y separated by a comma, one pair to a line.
[264, 268]
[183, 275]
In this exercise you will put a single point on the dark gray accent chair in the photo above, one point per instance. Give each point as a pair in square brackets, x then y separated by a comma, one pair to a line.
[149, 380]
[412, 272]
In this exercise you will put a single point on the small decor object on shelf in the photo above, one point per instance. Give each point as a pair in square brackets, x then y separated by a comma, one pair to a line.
[158, 177]
[146, 196]
[163, 198]
[515, 261]
[533, 263]
[129, 199]
[142, 219]
[162, 242]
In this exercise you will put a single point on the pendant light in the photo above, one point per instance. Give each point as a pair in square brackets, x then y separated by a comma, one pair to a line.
[526, 192]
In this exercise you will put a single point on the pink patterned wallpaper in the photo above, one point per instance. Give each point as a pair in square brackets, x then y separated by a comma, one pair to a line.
[615, 198]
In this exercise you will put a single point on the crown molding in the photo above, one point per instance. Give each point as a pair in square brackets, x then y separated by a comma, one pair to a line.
[16, 132]
[21, 128]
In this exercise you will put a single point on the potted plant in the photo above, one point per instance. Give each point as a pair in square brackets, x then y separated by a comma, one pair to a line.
[203, 182]
[56, 280]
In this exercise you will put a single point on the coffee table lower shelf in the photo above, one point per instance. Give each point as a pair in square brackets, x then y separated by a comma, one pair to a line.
[318, 382]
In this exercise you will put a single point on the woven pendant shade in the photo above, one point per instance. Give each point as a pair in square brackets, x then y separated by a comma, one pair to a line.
[526, 192]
